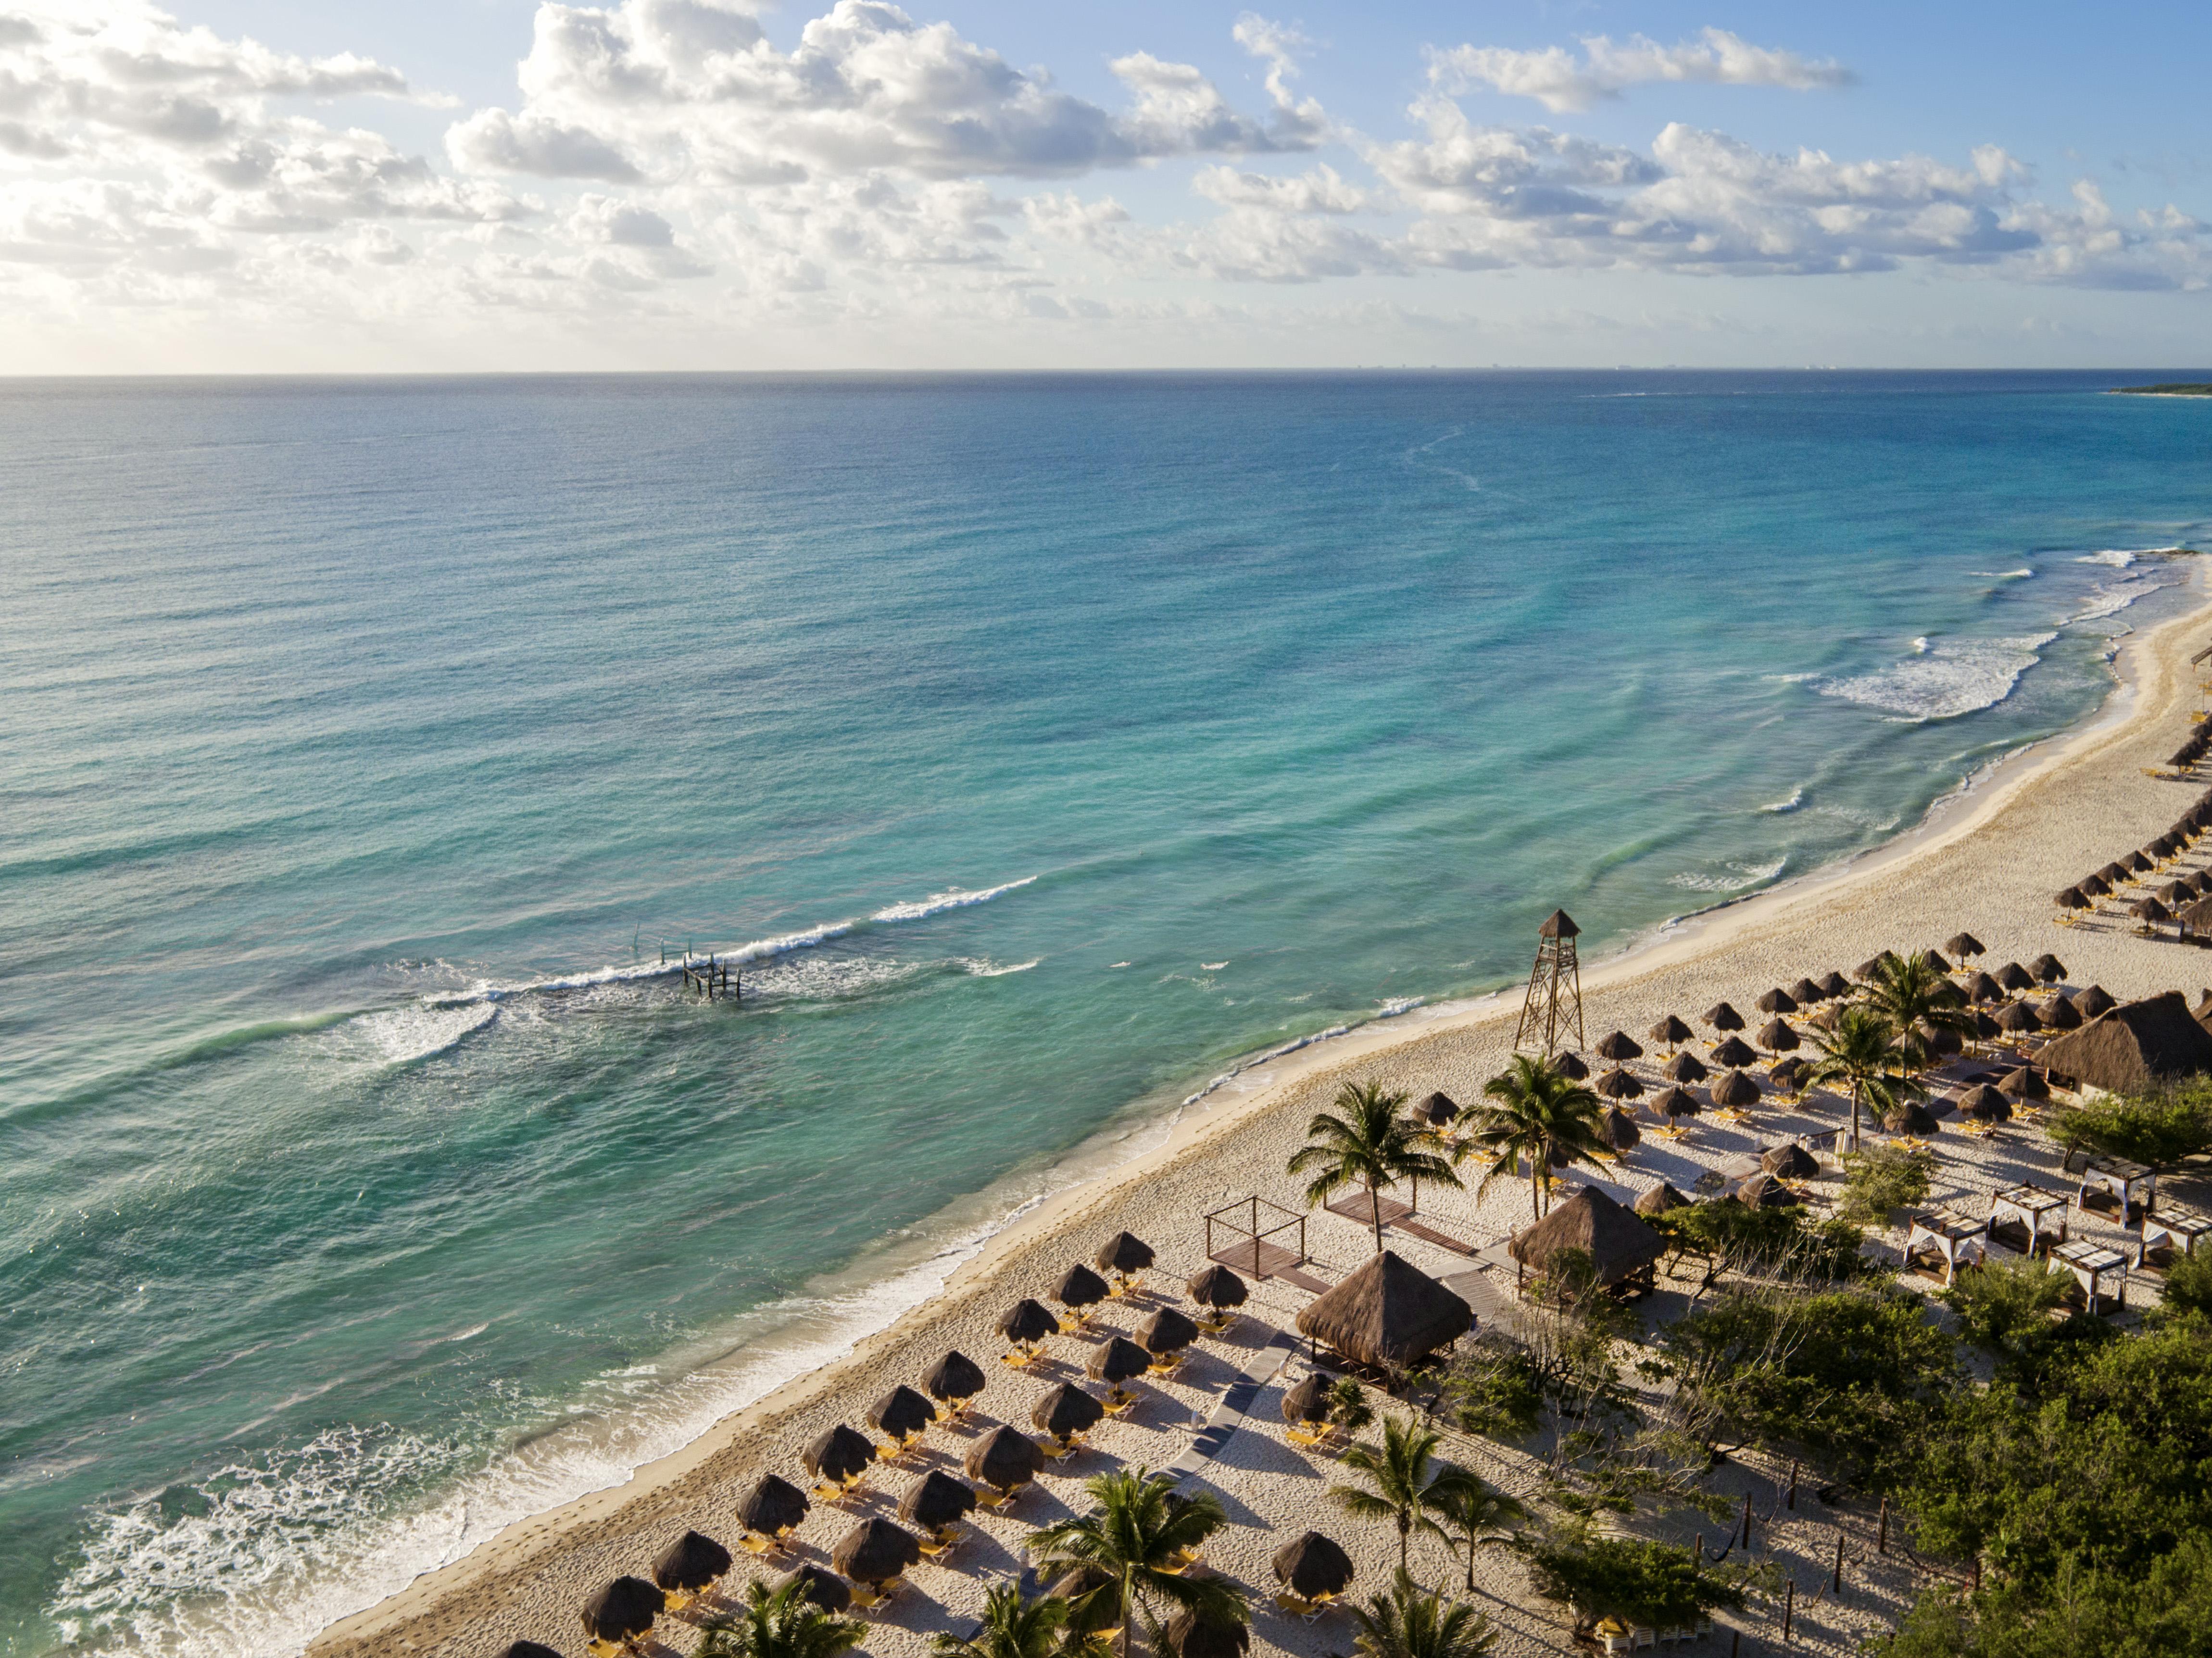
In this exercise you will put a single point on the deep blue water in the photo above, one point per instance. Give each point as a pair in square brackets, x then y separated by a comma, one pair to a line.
[1045, 744]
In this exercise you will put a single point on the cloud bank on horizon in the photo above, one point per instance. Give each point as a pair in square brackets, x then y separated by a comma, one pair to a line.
[665, 165]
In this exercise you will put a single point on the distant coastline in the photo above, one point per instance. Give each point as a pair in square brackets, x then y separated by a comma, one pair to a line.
[2169, 389]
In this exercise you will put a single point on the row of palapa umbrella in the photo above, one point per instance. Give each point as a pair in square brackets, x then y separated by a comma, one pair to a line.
[877, 1552]
[2164, 902]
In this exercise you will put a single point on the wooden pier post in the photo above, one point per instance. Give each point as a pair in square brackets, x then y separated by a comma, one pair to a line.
[1788, 1607]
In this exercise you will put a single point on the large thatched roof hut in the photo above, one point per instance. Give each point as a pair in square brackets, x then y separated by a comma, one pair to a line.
[1618, 1242]
[1389, 1313]
[2137, 1045]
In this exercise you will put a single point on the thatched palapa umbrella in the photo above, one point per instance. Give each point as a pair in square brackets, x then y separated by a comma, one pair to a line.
[1619, 1046]
[528, 1649]
[1659, 1199]
[937, 1502]
[1619, 1130]
[2150, 912]
[2059, 1014]
[1963, 945]
[1676, 1102]
[1390, 1314]
[2094, 886]
[901, 1415]
[622, 1611]
[1079, 1288]
[2092, 1001]
[1619, 1243]
[1986, 1104]
[954, 1380]
[1004, 1460]
[1934, 959]
[821, 1588]
[1116, 1361]
[1570, 1067]
[1722, 1017]
[1190, 1636]
[1789, 1161]
[1804, 993]
[1066, 1412]
[1313, 1568]
[2025, 1084]
[1789, 1075]
[2013, 976]
[772, 1509]
[689, 1564]
[1436, 1110]
[1307, 1402]
[1777, 1037]
[1733, 1053]
[2072, 898]
[1983, 988]
[1671, 1031]
[1777, 1000]
[1025, 1324]
[2116, 874]
[1835, 985]
[1764, 1192]
[1125, 1256]
[1166, 1333]
[1217, 1287]
[1618, 1085]
[2174, 892]
[840, 1456]
[1909, 1117]
[2140, 863]
[1734, 1089]
[1686, 1068]
[1939, 1040]
[875, 1551]
[2018, 1018]
[1867, 969]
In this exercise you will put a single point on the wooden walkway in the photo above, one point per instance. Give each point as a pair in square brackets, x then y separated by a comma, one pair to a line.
[1263, 1367]
[1266, 1260]
[1360, 1208]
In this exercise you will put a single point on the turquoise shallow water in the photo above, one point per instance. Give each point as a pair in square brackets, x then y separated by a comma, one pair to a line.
[1044, 745]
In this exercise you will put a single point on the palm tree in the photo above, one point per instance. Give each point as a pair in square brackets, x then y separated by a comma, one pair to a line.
[1861, 1053]
[1369, 1145]
[780, 1623]
[1908, 992]
[1015, 1628]
[1474, 1511]
[1541, 1114]
[1348, 1408]
[1404, 1473]
[1141, 1541]
[1413, 1623]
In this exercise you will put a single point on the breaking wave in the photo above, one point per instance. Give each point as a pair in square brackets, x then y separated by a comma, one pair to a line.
[1942, 680]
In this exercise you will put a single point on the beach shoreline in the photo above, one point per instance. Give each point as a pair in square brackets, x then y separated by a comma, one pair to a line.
[1252, 1105]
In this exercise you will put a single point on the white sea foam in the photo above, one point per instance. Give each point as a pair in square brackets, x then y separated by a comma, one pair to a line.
[1741, 876]
[1942, 679]
[1398, 1005]
[402, 1035]
[2112, 555]
[988, 970]
[1796, 799]
[1213, 966]
[2112, 600]
[953, 898]
[2020, 574]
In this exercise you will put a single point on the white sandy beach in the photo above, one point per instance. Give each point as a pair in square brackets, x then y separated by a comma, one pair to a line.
[1987, 862]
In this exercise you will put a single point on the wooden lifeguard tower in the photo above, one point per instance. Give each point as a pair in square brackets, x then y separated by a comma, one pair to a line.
[1553, 1005]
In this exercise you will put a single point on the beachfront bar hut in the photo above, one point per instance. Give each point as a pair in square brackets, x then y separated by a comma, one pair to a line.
[1164, 1335]
[1777, 1000]
[1658, 1199]
[1734, 1089]
[1684, 1068]
[2101, 1272]
[1963, 945]
[1777, 1037]
[1125, 1256]
[1675, 1103]
[838, 1460]
[1436, 1110]
[769, 1513]
[953, 1380]
[1313, 1569]
[1722, 1017]
[691, 1565]
[1004, 1461]
[1951, 1240]
[1064, 1414]
[1983, 988]
[1789, 1161]
[1733, 1053]
[1193, 1635]
[1620, 1246]
[620, 1612]
[2059, 1014]
[1080, 1288]
[1220, 1291]
[935, 1503]
[1389, 1316]
[2092, 1001]
[2137, 1045]
[1569, 1066]
[2095, 886]
[1764, 1191]
[2018, 1018]
[1115, 1362]
[1025, 1324]
[1671, 1031]
[1619, 1130]
[820, 1589]
[2172, 1232]
[2027, 1218]
[875, 1554]
[2015, 977]
[902, 1416]
[1618, 1085]
[1986, 1104]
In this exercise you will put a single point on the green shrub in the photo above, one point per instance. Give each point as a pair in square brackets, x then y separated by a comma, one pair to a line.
[1629, 1578]
[2159, 1128]
[2188, 1287]
[2003, 1302]
[1787, 1241]
[1497, 1390]
[1882, 1180]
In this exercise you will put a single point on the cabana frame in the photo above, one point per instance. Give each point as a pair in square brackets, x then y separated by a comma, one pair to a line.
[2125, 1182]
[2095, 1269]
[1955, 1240]
[2028, 1209]
[2175, 1233]
[1245, 1244]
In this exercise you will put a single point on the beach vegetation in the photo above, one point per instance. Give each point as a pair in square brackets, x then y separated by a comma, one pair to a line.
[1766, 1243]
[2188, 1287]
[1348, 1409]
[2159, 1128]
[1411, 1622]
[1882, 1180]
[1911, 996]
[2004, 1306]
[1139, 1536]
[1860, 1056]
[1495, 1389]
[1475, 1514]
[782, 1623]
[1366, 1141]
[1401, 1476]
[1638, 1582]
[1534, 1113]
[1012, 1627]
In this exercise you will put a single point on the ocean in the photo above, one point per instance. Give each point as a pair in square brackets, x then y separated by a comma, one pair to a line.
[1039, 747]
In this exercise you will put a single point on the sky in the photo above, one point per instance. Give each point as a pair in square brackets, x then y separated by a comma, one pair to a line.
[423, 186]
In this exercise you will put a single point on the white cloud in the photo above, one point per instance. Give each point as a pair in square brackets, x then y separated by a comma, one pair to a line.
[1559, 80]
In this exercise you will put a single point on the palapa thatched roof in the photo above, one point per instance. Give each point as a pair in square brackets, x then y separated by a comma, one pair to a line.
[1909, 1117]
[1658, 1199]
[1619, 1243]
[1722, 1017]
[956, 1376]
[1190, 1636]
[690, 1563]
[1963, 945]
[901, 1412]
[1788, 1074]
[937, 1500]
[1308, 1401]
[1028, 1319]
[1983, 988]
[1734, 1054]
[1166, 1331]
[1676, 1102]
[1618, 1085]
[2151, 909]
[2025, 1084]
[1557, 925]
[1619, 1045]
[1434, 1109]
[1003, 1458]
[839, 1454]
[1570, 1067]
[823, 1589]
[2059, 1014]
[2018, 1017]
[528, 1649]
[774, 1505]
[1117, 1361]
[2197, 915]
[2071, 898]
[1066, 1410]
[1216, 1286]
[1763, 1191]
[2115, 872]
[2013, 976]
[1986, 1105]
[1777, 1000]
[1789, 1161]
[2136, 1045]
[1388, 1314]
[2140, 863]
[1671, 1030]
[2092, 1001]
[1733, 1088]
[1776, 1036]
[624, 1610]
[1686, 1068]
[876, 1551]
[2095, 886]
[1124, 1253]
[1804, 993]
[1080, 1287]
[1310, 1565]
[1619, 1130]
[1833, 984]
